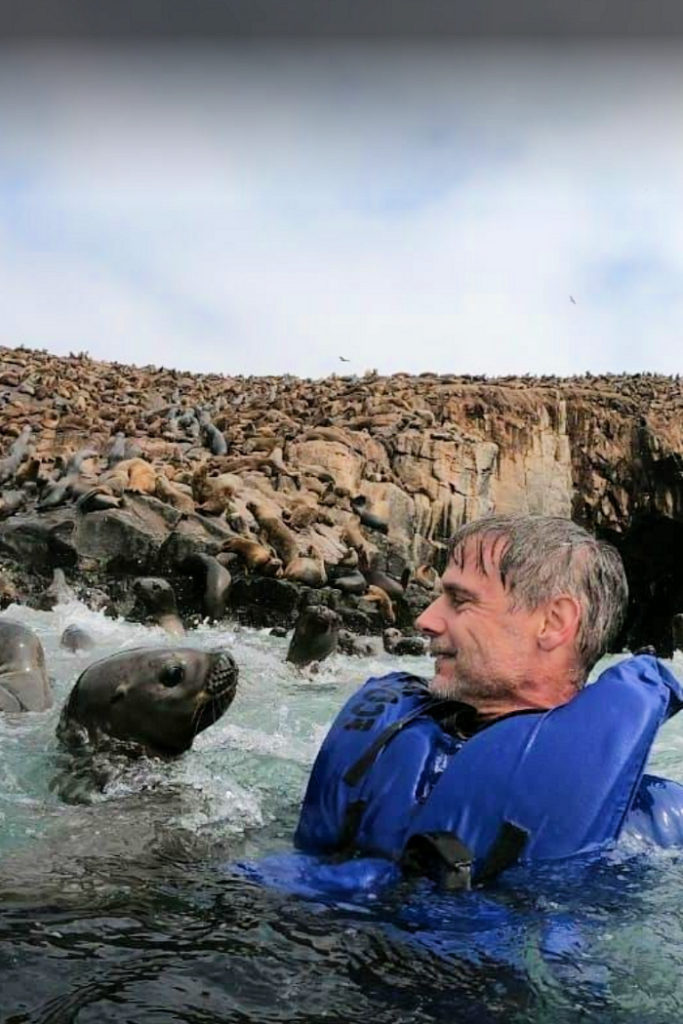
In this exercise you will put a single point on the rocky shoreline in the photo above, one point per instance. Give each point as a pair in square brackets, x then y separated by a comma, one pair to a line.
[255, 497]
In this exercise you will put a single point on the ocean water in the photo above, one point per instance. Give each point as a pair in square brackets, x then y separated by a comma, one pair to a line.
[128, 907]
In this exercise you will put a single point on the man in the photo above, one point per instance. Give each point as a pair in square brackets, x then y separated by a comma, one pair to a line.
[503, 756]
[529, 604]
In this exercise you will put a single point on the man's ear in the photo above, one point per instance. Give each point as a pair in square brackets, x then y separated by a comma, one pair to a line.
[560, 622]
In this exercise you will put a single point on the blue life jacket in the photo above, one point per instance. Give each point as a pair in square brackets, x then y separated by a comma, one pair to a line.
[390, 781]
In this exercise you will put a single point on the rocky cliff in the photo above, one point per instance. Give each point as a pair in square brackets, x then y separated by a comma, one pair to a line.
[132, 470]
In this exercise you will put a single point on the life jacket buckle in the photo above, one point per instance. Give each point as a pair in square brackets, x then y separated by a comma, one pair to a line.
[440, 856]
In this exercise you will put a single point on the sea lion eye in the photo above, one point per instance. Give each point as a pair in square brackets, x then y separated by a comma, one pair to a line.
[171, 675]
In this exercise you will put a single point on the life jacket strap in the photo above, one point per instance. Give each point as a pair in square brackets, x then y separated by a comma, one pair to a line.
[506, 850]
[353, 775]
[350, 825]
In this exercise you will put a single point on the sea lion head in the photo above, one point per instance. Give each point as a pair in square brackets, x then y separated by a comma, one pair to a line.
[315, 635]
[24, 684]
[75, 639]
[157, 598]
[159, 698]
[156, 595]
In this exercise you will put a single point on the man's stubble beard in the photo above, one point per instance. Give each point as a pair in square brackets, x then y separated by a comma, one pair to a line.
[468, 689]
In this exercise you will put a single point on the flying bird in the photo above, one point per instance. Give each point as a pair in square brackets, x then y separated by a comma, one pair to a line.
[344, 360]
[572, 299]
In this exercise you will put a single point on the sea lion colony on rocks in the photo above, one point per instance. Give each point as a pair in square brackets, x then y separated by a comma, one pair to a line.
[255, 497]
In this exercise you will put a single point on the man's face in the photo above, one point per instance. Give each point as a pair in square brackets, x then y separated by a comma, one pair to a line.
[484, 650]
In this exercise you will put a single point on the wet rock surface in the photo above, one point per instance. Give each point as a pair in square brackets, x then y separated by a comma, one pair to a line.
[314, 491]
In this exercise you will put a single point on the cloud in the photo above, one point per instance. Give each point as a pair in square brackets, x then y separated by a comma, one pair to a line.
[266, 211]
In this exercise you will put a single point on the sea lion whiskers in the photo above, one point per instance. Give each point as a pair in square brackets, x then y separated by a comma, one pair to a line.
[203, 701]
[195, 719]
[221, 682]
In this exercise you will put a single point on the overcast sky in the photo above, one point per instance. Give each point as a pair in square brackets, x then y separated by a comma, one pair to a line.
[266, 209]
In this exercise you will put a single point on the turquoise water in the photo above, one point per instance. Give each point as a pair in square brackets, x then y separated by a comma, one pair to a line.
[126, 908]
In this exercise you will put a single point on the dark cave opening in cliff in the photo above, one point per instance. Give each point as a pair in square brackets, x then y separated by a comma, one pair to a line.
[652, 550]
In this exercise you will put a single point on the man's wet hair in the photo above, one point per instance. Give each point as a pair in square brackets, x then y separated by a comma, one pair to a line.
[541, 557]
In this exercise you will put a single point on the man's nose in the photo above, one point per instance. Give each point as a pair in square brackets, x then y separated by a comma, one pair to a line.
[430, 621]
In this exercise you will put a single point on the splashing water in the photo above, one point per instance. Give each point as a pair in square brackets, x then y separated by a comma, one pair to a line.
[125, 908]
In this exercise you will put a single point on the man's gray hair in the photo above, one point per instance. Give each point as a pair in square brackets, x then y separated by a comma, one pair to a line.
[542, 557]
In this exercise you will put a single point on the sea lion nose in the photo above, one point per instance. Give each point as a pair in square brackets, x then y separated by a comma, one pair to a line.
[223, 673]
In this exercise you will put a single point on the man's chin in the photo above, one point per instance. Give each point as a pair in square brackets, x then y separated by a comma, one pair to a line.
[442, 685]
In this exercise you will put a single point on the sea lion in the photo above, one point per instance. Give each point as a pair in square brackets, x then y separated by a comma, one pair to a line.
[244, 463]
[97, 499]
[174, 494]
[216, 581]
[348, 561]
[171, 430]
[74, 466]
[280, 536]
[190, 424]
[377, 595]
[58, 592]
[29, 472]
[315, 635]
[378, 578]
[256, 556]
[276, 462]
[10, 464]
[158, 599]
[56, 492]
[316, 486]
[329, 434]
[156, 698]
[136, 474]
[308, 569]
[214, 493]
[71, 483]
[319, 473]
[300, 515]
[352, 645]
[117, 451]
[24, 685]
[368, 518]
[395, 643]
[76, 639]
[352, 536]
[351, 583]
[389, 584]
[211, 436]
[427, 577]
[11, 502]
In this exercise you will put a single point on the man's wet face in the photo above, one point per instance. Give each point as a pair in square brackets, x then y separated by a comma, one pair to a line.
[481, 646]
